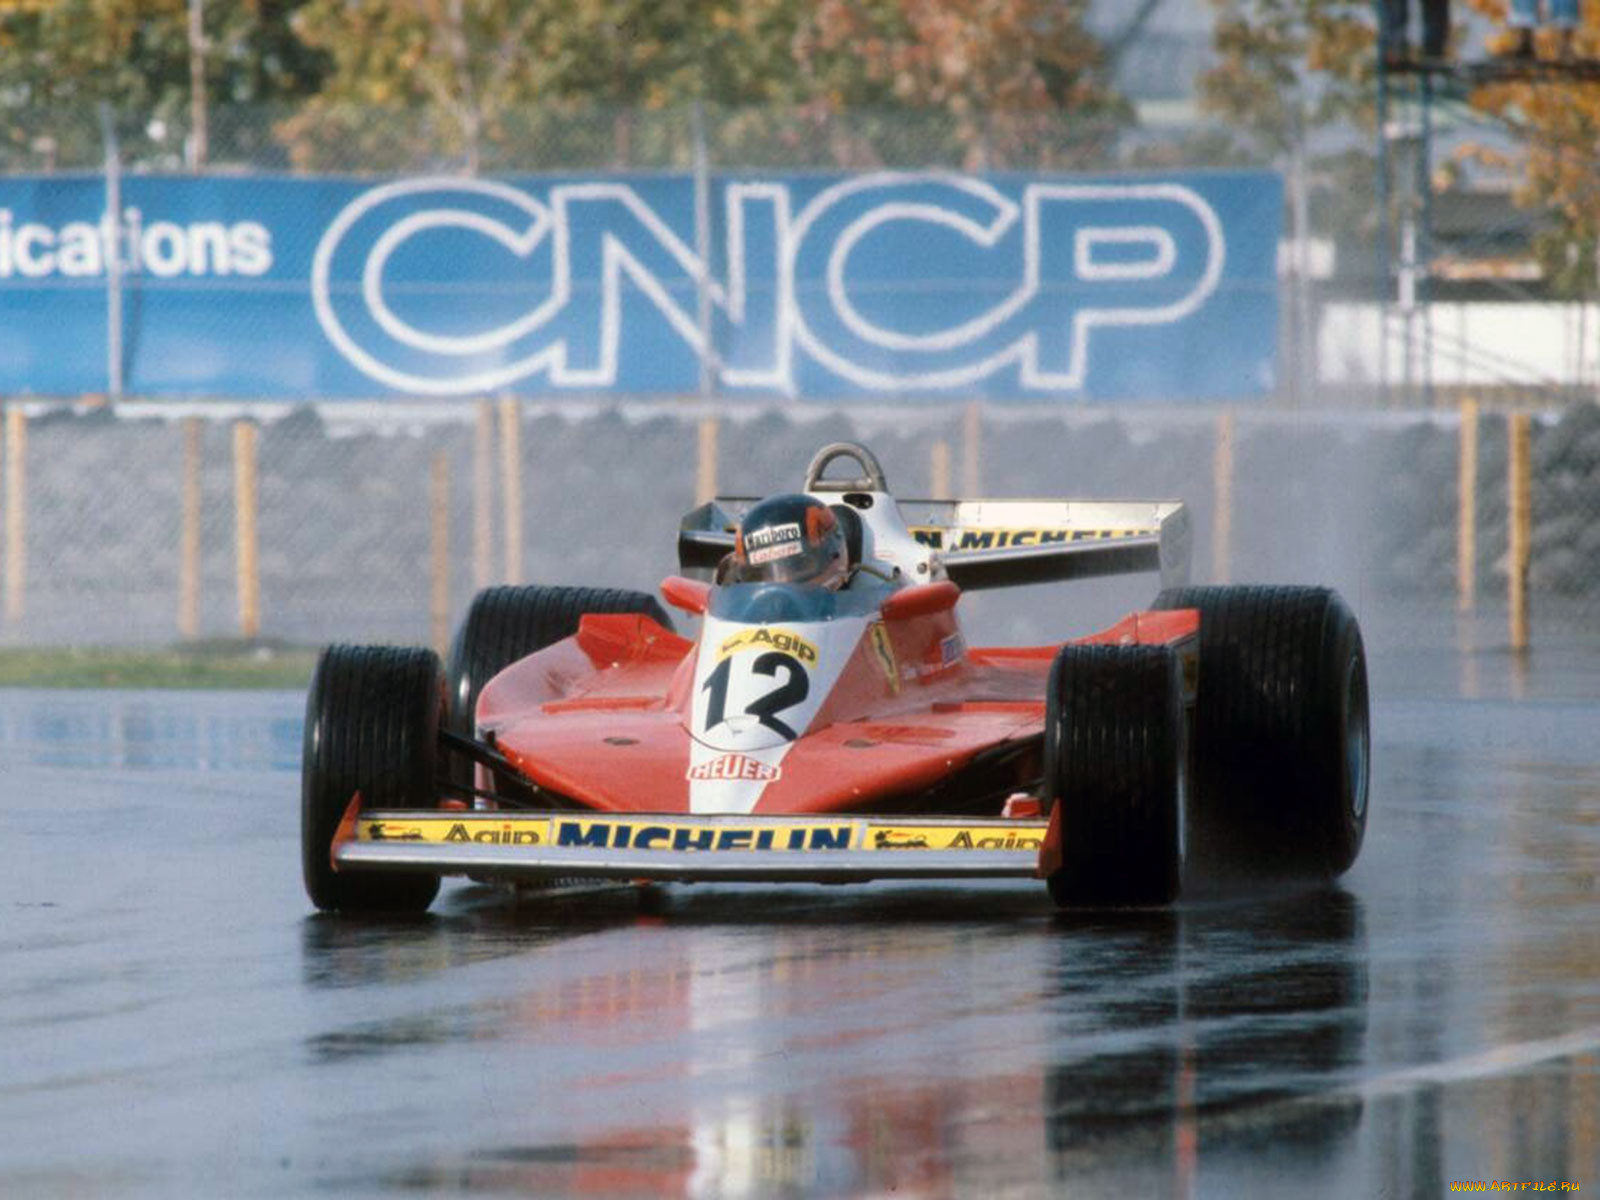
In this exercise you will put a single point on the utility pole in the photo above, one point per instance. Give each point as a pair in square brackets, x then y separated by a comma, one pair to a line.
[113, 238]
[199, 135]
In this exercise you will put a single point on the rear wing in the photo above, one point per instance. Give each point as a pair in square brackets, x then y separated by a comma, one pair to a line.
[1003, 543]
[992, 543]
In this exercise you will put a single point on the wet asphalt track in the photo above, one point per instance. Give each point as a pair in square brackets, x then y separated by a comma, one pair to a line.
[175, 1022]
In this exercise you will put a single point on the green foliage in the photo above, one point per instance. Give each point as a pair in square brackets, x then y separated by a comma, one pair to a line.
[1287, 68]
[1297, 76]
[1555, 167]
[60, 59]
[482, 84]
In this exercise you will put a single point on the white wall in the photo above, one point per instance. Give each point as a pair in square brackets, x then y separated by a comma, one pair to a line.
[1506, 344]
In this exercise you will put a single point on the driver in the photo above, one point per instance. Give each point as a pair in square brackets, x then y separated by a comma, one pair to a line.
[792, 539]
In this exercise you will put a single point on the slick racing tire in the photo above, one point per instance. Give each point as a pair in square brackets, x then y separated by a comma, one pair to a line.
[508, 623]
[372, 726]
[1281, 731]
[1115, 764]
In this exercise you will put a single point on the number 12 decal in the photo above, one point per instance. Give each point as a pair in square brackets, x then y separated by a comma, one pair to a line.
[796, 686]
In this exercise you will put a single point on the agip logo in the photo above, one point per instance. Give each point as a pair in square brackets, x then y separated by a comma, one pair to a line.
[875, 283]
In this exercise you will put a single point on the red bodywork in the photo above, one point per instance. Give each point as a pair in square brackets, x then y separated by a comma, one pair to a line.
[603, 718]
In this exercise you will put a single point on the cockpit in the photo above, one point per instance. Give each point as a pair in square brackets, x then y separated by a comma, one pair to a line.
[766, 603]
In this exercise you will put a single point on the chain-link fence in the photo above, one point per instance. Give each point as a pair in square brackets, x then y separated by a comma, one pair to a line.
[381, 528]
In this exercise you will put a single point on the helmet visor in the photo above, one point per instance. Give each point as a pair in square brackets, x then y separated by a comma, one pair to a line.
[789, 562]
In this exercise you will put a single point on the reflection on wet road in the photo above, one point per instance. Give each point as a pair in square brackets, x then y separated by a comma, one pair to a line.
[174, 1021]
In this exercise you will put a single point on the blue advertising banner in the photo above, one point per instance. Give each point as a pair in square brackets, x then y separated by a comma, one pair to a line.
[839, 285]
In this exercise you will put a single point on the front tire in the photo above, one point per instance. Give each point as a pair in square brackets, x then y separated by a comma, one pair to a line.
[1114, 763]
[372, 726]
[505, 624]
[1282, 730]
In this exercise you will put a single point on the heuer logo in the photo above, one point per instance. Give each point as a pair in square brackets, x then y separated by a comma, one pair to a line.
[735, 766]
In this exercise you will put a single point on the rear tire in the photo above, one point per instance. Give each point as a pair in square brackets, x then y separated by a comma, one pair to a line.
[1282, 734]
[1114, 762]
[372, 726]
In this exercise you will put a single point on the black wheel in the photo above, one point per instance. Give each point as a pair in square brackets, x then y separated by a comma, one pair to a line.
[1281, 731]
[372, 726]
[508, 623]
[1115, 761]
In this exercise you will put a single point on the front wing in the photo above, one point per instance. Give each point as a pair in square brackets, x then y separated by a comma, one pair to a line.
[808, 849]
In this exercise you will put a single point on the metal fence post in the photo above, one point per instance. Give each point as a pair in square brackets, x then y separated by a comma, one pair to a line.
[113, 247]
[705, 474]
[1519, 496]
[702, 239]
[1222, 498]
[439, 550]
[1302, 377]
[511, 485]
[247, 570]
[972, 450]
[189, 530]
[16, 471]
[939, 471]
[199, 136]
[1467, 510]
[483, 497]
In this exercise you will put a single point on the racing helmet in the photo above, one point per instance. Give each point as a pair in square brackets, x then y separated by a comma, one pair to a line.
[792, 539]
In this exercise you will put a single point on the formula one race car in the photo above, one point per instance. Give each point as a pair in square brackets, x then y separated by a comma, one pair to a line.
[830, 723]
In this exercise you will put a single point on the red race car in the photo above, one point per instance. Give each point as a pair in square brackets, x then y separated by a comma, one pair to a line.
[830, 723]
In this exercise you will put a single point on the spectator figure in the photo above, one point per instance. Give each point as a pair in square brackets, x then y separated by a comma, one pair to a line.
[1563, 16]
[1435, 30]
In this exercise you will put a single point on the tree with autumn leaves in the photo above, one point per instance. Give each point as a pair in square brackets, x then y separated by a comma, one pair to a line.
[60, 59]
[1289, 71]
[610, 81]
[391, 84]
[493, 84]
[1557, 162]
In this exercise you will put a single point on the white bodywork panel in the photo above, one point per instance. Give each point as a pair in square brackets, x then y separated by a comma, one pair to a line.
[756, 689]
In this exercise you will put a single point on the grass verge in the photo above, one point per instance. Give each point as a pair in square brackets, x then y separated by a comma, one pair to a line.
[201, 665]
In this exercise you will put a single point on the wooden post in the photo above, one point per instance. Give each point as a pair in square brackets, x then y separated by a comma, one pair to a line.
[439, 551]
[247, 569]
[511, 486]
[189, 530]
[1519, 489]
[1222, 499]
[16, 513]
[939, 470]
[483, 497]
[972, 450]
[1467, 510]
[705, 474]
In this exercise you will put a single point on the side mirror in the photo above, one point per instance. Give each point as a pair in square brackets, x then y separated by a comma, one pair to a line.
[920, 601]
[690, 595]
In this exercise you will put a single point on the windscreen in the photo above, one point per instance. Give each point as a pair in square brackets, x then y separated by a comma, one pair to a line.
[766, 603]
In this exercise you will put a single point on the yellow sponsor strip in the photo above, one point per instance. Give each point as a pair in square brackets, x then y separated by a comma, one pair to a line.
[614, 833]
[647, 833]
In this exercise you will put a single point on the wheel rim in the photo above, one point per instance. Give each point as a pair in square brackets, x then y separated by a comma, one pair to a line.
[1356, 735]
